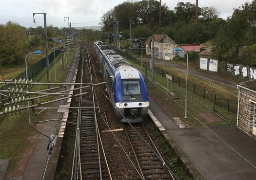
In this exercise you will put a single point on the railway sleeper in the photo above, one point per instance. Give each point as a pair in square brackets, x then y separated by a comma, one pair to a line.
[149, 159]
[151, 163]
[145, 150]
[153, 168]
[89, 141]
[143, 155]
[154, 172]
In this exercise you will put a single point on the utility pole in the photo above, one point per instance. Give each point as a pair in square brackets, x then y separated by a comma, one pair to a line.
[116, 34]
[160, 13]
[152, 54]
[46, 46]
[130, 33]
[68, 20]
[196, 10]
[186, 98]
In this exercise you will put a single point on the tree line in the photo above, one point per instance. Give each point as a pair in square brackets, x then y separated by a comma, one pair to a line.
[232, 40]
[16, 41]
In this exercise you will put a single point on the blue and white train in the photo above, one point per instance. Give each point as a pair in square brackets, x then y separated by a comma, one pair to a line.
[126, 86]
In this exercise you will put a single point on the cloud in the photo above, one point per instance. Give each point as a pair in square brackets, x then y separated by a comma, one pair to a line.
[88, 12]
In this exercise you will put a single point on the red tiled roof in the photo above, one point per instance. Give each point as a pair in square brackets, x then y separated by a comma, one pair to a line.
[191, 47]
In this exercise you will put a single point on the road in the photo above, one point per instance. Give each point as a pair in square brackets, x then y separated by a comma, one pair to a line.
[210, 76]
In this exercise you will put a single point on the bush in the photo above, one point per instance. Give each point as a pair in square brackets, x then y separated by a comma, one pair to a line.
[193, 56]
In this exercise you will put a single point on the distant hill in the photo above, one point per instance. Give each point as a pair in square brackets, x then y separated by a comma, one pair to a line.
[97, 28]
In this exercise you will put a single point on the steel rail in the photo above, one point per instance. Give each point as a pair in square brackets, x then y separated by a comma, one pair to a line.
[133, 151]
[151, 160]
[88, 124]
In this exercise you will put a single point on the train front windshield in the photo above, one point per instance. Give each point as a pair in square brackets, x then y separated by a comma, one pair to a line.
[131, 87]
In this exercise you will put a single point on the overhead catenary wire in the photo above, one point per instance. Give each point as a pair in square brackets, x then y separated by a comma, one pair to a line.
[20, 52]
[203, 77]
[105, 121]
[201, 103]
[139, 135]
[215, 134]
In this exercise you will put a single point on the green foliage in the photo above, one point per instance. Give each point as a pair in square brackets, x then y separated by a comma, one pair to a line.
[13, 40]
[248, 55]
[234, 40]
[209, 14]
[185, 11]
[178, 24]
[142, 32]
[192, 33]
[231, 39]
[193, 56]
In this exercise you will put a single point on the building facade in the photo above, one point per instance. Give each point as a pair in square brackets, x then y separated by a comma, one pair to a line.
[163, 47]
[246, 112]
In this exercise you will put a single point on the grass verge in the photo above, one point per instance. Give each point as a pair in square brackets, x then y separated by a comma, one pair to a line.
[17, 135]
[173, 98]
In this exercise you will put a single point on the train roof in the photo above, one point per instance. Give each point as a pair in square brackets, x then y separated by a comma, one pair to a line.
[128, 72]
[116, 60]
[113, 57]
[108, 51]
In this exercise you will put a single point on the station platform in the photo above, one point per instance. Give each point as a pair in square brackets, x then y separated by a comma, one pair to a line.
[215, 153]
[210, 153]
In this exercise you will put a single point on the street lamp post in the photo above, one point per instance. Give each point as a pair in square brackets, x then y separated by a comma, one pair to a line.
[46, 47]
[130, 33]
[186, 98]
[68, 22]
[35, 52]
[140, 53]
[152, 53]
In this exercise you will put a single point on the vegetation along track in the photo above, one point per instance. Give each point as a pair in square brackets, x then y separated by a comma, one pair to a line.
[103, 150]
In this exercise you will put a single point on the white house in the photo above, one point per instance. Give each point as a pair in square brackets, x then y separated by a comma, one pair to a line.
[163, 47]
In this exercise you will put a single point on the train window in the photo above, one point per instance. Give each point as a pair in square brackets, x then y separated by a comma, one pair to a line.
[131, 87]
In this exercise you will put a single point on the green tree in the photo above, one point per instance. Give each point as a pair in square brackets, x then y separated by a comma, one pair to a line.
[232, 36]
[248, 55]
[123, 13]
[142, 32]
[13, 41]
[194, 33]
[185, 11]
[209, 13]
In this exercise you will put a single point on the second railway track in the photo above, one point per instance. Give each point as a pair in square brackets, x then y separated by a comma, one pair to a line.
[149, 160]
[89, 160]
[105, 148]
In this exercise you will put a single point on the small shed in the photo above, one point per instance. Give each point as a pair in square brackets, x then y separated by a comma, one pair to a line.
[246, 111]
[207, 61]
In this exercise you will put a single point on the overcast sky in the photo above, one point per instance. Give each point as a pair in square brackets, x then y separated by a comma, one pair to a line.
[85, 12]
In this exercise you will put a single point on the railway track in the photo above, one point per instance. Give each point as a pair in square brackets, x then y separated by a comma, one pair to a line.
[150, 163]
[89, 160]
[113, 157]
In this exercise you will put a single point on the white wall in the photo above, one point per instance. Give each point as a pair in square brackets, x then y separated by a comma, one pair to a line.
[203, 63]
[213, 65]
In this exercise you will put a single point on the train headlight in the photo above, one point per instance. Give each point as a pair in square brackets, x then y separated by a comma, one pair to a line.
[145, 103]
[120, 104]
[130, 76]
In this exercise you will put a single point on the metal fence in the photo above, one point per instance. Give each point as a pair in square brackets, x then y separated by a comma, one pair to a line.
[211, 96]
[33, 71]
[36, 68]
